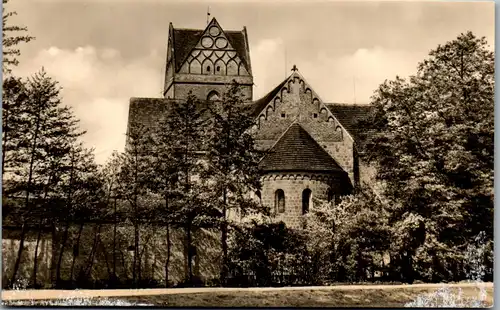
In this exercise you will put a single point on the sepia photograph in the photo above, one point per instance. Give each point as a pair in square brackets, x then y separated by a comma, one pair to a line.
[248, 153]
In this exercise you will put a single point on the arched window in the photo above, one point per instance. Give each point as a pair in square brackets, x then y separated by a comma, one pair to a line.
[213, 95]
[279, 201]
[259, 195]
[331, 195]
[306, 198]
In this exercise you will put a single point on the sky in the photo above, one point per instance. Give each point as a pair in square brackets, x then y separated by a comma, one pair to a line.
[103, 52]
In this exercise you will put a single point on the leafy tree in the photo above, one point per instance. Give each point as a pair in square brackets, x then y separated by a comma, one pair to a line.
[232, 160]
[110, 177]
[82, 196]
[177, 170]
[263, 253]
[14, 97]
[132, 185]
[11, 38]
[49, 131]
[345, 239]
[432, 145]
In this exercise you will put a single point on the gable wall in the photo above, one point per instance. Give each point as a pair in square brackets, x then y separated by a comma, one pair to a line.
[299, 103]
[210, 66]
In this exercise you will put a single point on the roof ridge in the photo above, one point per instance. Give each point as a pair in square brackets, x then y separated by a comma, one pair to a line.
[192, 29]
[281, 136]
[264, 100]
[297, 150]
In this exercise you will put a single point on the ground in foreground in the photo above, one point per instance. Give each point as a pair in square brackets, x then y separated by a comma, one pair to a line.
[318, 297]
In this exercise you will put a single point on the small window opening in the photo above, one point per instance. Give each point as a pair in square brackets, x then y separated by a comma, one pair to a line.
[331, 195]
[279, 202]
[315, 115]
[306, 197]
[213, 95]
[258, 194]
[283, 115]
[208, 68]
[218, 68]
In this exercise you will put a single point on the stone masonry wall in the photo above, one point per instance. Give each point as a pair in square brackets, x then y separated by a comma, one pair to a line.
[153, 246]
[201, 91]
[293, 184]
[297, 102]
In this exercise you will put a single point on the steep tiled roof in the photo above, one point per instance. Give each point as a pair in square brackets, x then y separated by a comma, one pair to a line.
[186, 39]
[296, 150]
[239, 43]
[151, 111]
[348, 115]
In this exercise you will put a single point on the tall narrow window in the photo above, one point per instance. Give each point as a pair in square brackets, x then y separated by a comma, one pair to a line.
[306, 198]
[259, 195]
[331, 195]
[279, 201]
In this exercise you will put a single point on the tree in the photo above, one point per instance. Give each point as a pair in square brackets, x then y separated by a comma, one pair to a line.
[81, 196]
[432, 145]
[346, 239]
[110, 176]
[11, 38]
[14, 97]
[132, 185]
[49, 131]
[178, 167]
[232, 160]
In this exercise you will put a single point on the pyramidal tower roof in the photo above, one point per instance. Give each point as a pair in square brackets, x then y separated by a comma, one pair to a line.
[296, 150]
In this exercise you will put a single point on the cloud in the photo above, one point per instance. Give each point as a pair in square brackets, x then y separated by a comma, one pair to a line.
[268, 67]
[356, 76]
[345, 78]
[97, 84]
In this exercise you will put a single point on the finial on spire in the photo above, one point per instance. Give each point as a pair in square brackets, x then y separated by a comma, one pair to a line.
[294, 68]
[208, 15]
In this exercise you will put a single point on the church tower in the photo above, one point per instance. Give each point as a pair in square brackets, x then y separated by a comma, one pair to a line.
[206, 61]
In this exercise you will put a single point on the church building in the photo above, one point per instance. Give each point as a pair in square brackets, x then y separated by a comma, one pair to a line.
[310, 144]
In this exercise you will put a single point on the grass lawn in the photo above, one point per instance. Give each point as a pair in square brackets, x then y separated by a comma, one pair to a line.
[317, 297]
[309, 298]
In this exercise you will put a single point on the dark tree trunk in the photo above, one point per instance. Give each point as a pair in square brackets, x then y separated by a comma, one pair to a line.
[105, 255]
[35, 261]
[167, 262]
[224, 242]
[189, 253]
[61, 253]
[136, 254]
[169, 245]
[76, 251]
[114, 245]
[90, 262]
[27, 201]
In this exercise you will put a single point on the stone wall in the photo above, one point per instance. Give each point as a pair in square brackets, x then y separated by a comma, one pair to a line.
[293, 185]
[95, 260]
[297, 102]
[10, 248]
[201, 91]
